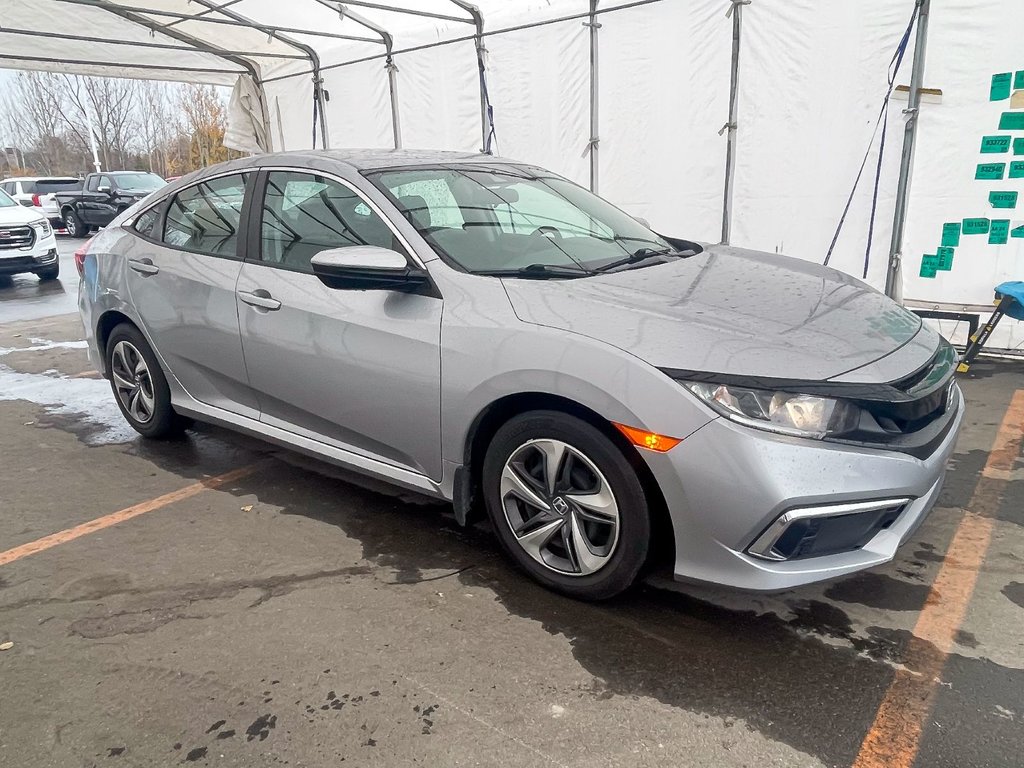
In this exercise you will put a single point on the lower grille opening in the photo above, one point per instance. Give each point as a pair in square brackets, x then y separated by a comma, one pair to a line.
[810, 532]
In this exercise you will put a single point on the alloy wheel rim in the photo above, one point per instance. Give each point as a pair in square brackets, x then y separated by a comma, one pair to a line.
[133, 382]
[560, 507]
[71, 226]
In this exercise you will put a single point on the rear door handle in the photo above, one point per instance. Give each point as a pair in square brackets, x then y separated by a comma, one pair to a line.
[260, 299]
[143, 266]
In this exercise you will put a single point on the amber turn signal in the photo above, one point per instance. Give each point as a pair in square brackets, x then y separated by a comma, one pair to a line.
[652, 441]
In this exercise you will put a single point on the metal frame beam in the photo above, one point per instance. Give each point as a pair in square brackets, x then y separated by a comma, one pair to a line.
[594, 25]
[233, 20]
[893, 279]
[142, 44]
[736, 11]
[481, 61]
[319, 95]
[118, 64]
[407, 11]
[388, 41]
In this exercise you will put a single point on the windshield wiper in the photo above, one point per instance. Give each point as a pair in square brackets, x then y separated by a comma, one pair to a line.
[639, 255]
[535, 272]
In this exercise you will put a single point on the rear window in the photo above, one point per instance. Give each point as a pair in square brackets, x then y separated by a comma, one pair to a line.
[46, 186]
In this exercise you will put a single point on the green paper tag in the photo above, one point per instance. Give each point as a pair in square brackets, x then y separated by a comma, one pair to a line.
[975, 226]
[1017, 231]
[999, 231]
[1002, 199]
[1000, 86]
[1018, 146]
[945, 259]
[1018, 80]
[929, 263]
[951, 233]
[991, 171]
[995, 145]
[1017, 169]
[1011, 121]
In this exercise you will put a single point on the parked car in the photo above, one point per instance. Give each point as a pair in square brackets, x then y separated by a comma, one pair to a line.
[104, 196]
[27, 243]
[39, 192]
[489, 333]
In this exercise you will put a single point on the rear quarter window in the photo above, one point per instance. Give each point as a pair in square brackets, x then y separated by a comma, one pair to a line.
[146, 224]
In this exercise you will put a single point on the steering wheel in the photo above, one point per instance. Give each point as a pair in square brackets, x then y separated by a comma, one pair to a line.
[549, 232]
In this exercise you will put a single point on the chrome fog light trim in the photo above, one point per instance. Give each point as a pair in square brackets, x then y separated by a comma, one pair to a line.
[764, 546]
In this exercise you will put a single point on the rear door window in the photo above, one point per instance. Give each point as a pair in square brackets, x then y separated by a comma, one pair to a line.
[206, 217]
[304, 214]
[46, 186]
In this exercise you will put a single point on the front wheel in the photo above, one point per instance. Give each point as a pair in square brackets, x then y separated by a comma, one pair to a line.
[49, 274]
[139, 385]
[74, 226]
[566, 504]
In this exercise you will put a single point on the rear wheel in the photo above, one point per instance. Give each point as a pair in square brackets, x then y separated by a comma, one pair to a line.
[566, 504]
[74, 225]
[139, 385]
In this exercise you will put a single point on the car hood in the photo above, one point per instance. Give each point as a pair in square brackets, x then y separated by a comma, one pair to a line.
[730, 310]
[18, 214]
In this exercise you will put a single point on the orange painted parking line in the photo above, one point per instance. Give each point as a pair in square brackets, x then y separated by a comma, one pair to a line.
[63, 537]
[895, 735]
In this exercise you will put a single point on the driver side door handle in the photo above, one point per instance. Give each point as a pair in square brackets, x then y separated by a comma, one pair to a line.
[260, 299]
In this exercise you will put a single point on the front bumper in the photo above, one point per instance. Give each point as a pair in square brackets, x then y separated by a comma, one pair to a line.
[726, 485]
[42, 254]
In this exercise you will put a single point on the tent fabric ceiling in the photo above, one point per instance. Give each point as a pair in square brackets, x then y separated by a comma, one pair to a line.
[213, 41]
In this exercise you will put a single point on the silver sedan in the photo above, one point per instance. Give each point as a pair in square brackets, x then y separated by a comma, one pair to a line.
[487, 332]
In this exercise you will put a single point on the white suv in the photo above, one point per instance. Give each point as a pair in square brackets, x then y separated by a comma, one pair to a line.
[37, 192]
[27, 242]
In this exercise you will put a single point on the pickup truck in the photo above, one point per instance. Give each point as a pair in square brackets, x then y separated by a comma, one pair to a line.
[102, 197]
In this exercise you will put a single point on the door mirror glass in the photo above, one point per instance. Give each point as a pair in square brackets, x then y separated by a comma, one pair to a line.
[367, 267]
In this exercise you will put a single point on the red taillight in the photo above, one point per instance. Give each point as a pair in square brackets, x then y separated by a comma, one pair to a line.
[35, 201]
[80, 257]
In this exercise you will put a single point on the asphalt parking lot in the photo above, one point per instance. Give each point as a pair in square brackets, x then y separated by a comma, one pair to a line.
[219, 601]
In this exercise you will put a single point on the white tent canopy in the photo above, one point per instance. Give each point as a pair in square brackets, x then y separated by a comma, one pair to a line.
[653, 120]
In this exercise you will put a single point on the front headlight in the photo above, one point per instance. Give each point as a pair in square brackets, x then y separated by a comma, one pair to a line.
[43, 226]
[784, 412]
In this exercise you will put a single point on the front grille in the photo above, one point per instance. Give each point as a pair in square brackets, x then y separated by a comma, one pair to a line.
[17, 237]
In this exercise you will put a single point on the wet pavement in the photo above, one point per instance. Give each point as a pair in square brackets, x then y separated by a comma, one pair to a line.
[25, 297]
[300, 615]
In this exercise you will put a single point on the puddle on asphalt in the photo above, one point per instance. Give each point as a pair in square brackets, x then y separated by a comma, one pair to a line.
[83, 406]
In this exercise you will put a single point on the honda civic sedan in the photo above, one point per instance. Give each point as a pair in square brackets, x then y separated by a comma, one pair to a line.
[489, 333]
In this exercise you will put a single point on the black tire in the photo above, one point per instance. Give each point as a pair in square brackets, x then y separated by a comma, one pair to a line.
[74, 226]
[49, 274]
[634, 524]
[163, 422]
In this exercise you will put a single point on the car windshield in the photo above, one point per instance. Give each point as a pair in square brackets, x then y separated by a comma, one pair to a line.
[6, 201]
[511, 218]
[145, 182]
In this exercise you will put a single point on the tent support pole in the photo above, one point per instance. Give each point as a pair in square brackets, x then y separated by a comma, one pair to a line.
[736, 10]
[199, 45]
[481, 62]
[594, 25]
[893, 280]
[396, 127]
[319, 94]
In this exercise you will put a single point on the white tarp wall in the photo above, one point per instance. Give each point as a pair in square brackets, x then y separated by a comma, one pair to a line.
[812, 80]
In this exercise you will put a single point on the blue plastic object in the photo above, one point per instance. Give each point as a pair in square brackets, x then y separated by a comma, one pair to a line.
[1014, 288]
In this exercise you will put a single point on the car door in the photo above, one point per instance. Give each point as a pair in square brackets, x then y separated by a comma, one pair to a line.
[182, 269]
[359, 370]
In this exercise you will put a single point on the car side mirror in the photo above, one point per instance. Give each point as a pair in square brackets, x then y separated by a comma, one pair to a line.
[103, 189]
[367, 268]
[642, 220]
